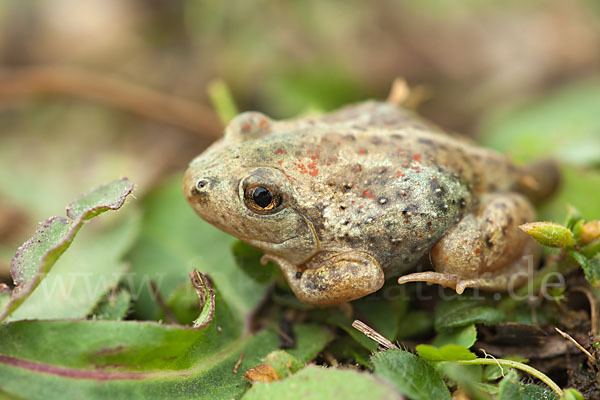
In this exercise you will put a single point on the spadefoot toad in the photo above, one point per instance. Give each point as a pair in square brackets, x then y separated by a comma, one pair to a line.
[344, 200]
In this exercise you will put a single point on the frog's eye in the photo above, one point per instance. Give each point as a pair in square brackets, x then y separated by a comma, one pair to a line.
[262, 199]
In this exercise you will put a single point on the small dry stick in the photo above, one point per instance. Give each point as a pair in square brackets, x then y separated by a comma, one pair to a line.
[373, 334]
[237, 364]
[580, 347]
[107, 89]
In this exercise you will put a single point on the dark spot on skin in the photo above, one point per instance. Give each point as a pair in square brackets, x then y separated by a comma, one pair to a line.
[437, 189]
[488, 242]
[298, 274]
[342, 207]
[375, 140]
[462, 202]
[397, 136]
[406, 259]
[509, 219]
[504, 229]
[349, 137]
[428, 142]
[347, 187]
[346, 222]
[410, 210]
[381, 170]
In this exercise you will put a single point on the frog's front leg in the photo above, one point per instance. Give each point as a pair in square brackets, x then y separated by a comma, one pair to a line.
[343, 277]
[485, 249]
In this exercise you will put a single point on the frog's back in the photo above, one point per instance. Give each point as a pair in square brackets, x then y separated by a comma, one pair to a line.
[387, 191]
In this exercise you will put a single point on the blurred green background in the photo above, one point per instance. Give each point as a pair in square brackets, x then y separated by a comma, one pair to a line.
[519, 76]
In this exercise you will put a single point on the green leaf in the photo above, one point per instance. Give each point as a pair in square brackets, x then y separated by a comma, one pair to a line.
[493, 372]
[571, 394]
[449, 352]
[464, 336]
[129, 359]
[165, 252]
[206, 296]
[591, 267]
[38, 255]
[549, 234]
[512, 389]
[182, 305]
[411, 375]
[83, 275]
[316, 383]
[414, 324]
[248, 259]
[462, 311]
[573, 216]
[114, 306]
[283, 362]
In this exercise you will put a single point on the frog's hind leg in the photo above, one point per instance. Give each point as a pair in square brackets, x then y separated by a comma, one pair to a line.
[343, 277]
[486, 249]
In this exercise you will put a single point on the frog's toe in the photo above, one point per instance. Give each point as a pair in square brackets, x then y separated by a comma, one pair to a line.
[431, 277]
[488, 281]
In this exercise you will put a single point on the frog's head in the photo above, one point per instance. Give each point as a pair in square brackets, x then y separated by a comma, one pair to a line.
[233, 187]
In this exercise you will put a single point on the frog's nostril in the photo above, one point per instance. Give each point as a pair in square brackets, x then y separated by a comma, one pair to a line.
[201, 185]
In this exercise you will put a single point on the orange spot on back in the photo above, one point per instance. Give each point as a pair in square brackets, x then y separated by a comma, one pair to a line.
[417, 157]
[280, 151]
[263, 124]
[399, 174]
[368, 194]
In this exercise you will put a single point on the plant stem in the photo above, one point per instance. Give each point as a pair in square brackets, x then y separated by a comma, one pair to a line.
[515, 364]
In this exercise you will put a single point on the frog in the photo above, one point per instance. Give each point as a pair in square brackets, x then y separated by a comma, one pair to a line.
[343, 201]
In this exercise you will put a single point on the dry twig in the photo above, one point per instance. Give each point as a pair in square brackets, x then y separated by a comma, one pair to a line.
[60, 80]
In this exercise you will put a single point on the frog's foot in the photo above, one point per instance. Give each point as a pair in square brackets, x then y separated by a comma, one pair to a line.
[447, 280]
[337, 279]
[486, 249]
[511, 277]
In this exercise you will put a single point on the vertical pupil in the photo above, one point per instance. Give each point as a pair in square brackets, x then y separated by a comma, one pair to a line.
[262, 197]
